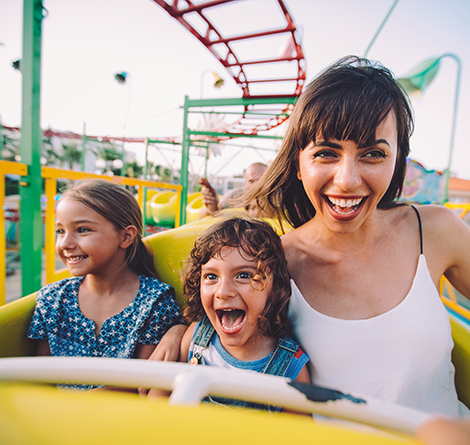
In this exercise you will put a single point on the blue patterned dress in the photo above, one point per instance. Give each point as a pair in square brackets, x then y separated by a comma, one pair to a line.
[58, 319]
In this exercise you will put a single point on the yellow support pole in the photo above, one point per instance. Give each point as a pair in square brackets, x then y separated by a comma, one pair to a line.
[13, 168]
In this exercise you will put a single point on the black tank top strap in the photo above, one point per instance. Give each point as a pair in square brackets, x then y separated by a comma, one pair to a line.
[420, 229]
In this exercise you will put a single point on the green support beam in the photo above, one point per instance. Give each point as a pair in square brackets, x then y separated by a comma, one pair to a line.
[161, 141]
[232, 135]
[235, 101]
[31, 226]
[83, 152]
[2, 141]
[187, 132]
[184, 163]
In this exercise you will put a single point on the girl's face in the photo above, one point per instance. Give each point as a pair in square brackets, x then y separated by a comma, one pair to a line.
[87, 243]
[234, 303]
[344, 181]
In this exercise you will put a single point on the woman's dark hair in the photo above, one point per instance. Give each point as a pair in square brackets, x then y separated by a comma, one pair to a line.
[255, 239]
[119, 207]
[347, 101]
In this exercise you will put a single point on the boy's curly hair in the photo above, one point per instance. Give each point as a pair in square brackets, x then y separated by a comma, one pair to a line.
[257, 240]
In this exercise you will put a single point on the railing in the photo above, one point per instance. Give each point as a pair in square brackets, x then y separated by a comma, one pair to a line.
[6, 168]
[51, 175]
[451, 301]
[464, 208]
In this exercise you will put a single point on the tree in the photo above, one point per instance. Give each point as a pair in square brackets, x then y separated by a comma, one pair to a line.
[71, 155]
[133, 170]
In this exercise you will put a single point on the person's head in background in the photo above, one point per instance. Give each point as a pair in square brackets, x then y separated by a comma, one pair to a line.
[253, 173]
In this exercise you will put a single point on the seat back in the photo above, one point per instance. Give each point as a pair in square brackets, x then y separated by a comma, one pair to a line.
[171, 248]
[461, 358]
[15, 318]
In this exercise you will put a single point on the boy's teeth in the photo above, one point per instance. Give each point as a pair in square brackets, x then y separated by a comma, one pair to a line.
[231, 318]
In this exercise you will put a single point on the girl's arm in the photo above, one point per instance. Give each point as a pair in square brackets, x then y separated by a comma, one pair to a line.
[143, 351]
[169, 347]
[43, 348]
[183, 357]
[167, 350]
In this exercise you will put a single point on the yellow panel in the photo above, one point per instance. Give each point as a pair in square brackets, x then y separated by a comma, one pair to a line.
[171, 248]
[43, 415]
[461, 360]
[15, 318]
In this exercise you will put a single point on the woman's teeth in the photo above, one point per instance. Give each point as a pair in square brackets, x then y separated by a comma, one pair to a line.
[345, 206]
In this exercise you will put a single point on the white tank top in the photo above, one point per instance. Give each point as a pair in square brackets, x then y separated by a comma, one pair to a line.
[401, 356]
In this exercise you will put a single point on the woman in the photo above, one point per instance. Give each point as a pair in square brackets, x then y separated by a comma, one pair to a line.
[365, 269]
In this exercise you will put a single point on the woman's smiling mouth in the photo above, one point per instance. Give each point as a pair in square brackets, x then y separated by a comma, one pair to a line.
[345, 206]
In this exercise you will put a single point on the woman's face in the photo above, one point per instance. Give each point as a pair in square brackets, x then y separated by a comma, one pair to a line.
[344, 181]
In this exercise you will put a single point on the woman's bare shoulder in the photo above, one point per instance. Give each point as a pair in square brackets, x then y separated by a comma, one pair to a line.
[293, 240]
[440, 221]
[446, 239]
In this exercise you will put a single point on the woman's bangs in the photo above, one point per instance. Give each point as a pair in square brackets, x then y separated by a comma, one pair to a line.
[353, 115]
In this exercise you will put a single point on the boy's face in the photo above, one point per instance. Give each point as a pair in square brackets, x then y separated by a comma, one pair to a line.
[233, 303]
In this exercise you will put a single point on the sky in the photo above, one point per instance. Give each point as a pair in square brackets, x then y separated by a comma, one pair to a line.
[85, 42]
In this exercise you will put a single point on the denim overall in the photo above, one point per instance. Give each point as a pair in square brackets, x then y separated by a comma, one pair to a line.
[280, 360]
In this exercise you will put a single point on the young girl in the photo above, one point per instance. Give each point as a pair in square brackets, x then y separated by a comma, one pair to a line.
[238, 292]
[114, 306]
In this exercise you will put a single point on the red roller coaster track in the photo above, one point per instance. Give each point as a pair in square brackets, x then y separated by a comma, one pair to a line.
[222, 49]
[214, 40]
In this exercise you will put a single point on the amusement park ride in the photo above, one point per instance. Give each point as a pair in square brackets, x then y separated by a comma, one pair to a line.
[253, 114]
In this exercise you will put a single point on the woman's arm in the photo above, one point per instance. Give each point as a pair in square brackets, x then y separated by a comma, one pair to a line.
[446, 243]
[304, 376]
[442, 431]
[185, 343]
[169, 347]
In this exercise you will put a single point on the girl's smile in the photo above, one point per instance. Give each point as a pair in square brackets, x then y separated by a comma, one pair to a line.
[233, 301]
[345, 181]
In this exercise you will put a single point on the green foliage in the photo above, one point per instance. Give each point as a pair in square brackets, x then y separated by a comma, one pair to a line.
[133, 170]
[12, 186]
[107, 151]
[71, 154]
[11, 147]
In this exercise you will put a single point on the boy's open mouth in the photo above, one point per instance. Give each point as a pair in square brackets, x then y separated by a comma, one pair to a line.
[231, 320]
